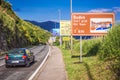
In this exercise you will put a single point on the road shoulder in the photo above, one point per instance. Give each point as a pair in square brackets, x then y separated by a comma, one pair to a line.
[54, 69]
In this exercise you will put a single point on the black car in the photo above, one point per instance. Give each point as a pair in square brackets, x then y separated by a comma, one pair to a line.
[20, 56]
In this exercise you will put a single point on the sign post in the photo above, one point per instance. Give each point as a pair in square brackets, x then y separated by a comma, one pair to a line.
[71, 26]
[91, 24]
[65, 29]
[80, 48]
[59, 11]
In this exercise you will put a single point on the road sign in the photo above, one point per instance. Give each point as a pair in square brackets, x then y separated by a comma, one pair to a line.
[56, 32]
[66, 38]
[52, 39]
[91, 23]
[65, 28]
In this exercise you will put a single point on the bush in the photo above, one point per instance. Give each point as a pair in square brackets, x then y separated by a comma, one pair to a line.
[90, 47]
[110, 50]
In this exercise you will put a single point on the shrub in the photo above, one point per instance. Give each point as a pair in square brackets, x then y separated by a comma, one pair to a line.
[110, 50]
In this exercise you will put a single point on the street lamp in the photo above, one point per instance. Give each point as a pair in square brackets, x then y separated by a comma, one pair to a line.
[70, 6]
[71, 25]
[59, 12]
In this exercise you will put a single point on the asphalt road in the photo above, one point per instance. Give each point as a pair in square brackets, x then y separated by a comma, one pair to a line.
[21, 72]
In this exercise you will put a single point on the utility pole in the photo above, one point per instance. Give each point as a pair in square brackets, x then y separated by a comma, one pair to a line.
[71, 24]
[59, 12]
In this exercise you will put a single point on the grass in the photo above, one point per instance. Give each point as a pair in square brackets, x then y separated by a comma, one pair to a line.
[101, 58]
[90, 69]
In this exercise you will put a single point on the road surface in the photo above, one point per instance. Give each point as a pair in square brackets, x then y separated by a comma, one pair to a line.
[21, 72]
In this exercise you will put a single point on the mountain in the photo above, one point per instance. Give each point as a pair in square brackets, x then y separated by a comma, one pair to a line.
[48, 25]
[15, 32]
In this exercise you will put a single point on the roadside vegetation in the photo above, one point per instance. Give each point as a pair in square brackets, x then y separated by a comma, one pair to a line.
[15, 32]
[101, 58]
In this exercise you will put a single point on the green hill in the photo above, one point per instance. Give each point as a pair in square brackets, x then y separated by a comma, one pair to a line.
[15, 32]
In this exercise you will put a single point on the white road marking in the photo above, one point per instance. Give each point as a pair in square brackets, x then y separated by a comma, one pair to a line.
[2, 64]
[40, 66]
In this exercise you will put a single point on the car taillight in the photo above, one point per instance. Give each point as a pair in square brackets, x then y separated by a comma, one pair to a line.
[24, 57]
[6, 57]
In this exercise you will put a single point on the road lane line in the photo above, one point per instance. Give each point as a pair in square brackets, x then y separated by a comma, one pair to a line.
[2, 64]
[40, 66]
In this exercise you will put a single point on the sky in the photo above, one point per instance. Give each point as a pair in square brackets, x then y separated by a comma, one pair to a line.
[54, 10]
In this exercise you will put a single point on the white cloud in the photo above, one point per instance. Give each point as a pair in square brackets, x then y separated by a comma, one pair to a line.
[116, 9]
[101, 10]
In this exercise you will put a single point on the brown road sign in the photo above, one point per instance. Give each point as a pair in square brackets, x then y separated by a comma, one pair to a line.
[91, 23]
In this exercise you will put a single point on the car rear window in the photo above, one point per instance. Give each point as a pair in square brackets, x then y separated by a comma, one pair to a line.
[17, 51]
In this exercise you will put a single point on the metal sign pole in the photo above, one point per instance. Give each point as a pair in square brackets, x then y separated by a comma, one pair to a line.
[59, 12]
[60, 41]
[80, 48]
[71, 25]
[71, 44]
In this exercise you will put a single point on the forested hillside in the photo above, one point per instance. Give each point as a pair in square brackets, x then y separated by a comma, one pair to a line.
[15, 32]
